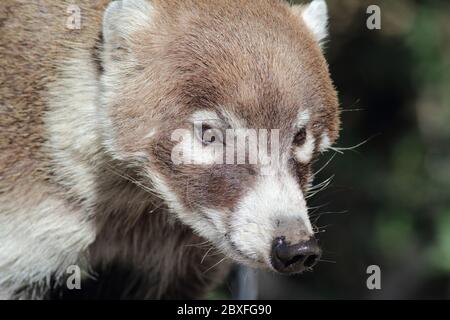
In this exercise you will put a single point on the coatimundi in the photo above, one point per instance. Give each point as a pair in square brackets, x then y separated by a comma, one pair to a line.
[87, 123]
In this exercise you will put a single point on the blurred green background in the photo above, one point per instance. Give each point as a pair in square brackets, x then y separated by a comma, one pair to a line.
[389, 203]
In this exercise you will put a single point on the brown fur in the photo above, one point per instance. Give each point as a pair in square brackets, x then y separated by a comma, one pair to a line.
[199, 54]
[229, 55]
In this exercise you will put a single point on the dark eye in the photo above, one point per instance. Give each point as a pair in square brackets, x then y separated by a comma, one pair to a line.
[211, 135]
[208, 138]
[300, 137]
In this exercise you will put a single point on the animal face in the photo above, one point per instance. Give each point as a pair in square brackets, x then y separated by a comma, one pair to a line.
[223, 107]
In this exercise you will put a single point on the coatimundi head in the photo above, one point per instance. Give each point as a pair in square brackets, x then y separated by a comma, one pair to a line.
[182, 80]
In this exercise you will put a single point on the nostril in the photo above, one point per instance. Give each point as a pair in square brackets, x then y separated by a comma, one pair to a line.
[308, 261]
[287, 258]
[311, 261]
[294, 260]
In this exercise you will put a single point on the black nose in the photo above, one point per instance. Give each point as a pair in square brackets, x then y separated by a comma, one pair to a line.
[287, 258]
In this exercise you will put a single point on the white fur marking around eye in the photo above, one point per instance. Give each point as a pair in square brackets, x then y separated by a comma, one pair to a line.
[233, 120]
[204, 116]
[305, 152]
[191, 150]
[325, 143]
[302, 119]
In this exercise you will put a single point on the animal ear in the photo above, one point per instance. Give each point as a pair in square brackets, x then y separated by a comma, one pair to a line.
[315, 16]
[122, 18]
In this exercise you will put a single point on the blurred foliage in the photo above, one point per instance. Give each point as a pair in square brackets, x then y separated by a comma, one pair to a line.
[394, 87]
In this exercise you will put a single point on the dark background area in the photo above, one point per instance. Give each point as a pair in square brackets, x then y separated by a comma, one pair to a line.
[389, 202]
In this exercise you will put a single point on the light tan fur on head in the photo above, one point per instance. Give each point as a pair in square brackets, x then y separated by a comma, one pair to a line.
[260, 63]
